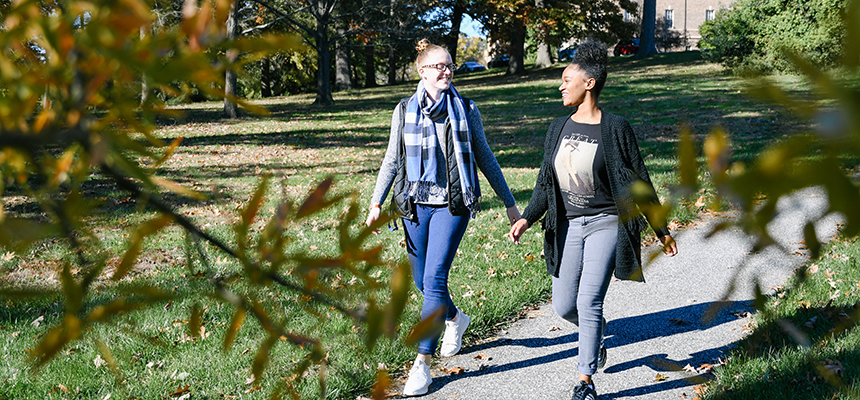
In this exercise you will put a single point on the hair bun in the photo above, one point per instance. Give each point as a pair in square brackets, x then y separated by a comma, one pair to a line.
[591, 53]
[422, 45]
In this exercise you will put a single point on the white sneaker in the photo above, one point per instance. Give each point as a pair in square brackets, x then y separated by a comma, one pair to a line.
[419, 379]
[452, 340]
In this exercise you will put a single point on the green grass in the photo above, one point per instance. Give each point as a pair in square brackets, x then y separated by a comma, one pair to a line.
[772, 364]
[299, 144]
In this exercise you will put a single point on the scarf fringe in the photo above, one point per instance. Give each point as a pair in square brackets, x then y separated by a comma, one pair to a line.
[419, 189]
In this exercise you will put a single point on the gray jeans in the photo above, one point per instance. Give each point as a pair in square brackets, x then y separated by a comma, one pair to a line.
[587, 262]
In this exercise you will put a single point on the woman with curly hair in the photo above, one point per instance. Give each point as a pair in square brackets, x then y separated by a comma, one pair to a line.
[591, 222]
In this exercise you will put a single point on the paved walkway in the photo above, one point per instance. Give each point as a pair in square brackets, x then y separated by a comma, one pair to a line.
[655, 329]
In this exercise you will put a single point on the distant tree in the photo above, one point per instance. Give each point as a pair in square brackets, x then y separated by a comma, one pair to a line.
[755, 36]
[91, 126]
[471, 48]
[647, 45]
[508, 21]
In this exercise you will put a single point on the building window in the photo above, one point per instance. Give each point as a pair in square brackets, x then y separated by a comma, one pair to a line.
[626, 15]
[709, 15]
[670, 17]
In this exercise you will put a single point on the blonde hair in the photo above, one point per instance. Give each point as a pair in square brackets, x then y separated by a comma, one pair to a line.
[424, 48]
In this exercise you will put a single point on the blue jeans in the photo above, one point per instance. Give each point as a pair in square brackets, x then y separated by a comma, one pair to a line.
[587, 262]
[431, 243]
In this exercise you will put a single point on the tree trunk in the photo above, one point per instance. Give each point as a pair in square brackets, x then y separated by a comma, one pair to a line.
[392, 66]
[647, 47]
[144, 88]
[369, 66]
[544, 58]
[323, 65]
[342, 69]
[518, 44]
[392, 55]
[265, 78]
[231, 110]
[454, 35]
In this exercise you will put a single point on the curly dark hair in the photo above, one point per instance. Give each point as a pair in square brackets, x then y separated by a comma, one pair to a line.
[591, 58]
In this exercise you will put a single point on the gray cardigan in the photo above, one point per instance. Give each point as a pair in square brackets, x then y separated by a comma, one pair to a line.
[480, 148]
[624, 165]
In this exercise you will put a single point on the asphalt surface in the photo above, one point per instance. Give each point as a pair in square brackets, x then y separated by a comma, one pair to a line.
[655, 329]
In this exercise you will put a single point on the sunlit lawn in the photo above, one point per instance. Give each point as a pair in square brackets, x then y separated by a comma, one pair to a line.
[299, 144]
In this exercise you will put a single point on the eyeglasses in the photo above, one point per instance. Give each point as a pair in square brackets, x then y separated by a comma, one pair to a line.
[441, 67]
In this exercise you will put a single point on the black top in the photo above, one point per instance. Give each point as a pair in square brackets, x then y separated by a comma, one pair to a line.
[624, 165]
[581, 171]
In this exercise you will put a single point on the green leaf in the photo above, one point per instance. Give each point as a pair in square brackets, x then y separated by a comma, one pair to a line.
[108, 356]
[262, 357]
[194, 322]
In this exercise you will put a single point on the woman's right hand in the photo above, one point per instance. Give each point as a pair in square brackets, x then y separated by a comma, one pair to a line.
[372, 215]
[517, 230]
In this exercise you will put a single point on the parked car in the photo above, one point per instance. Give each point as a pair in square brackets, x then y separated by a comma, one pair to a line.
[470, 66]
[566, 54]
[626, 47]
[499, 61]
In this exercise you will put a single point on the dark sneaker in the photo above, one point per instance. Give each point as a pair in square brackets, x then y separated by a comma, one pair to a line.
[583, 392]
[601, 356]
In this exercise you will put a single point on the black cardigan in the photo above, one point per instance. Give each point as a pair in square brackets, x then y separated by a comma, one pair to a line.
[624, 165]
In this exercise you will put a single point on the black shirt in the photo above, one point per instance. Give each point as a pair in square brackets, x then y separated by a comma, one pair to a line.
[581, 171]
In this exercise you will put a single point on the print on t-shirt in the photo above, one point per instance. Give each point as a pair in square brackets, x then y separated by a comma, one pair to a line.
[574, 164]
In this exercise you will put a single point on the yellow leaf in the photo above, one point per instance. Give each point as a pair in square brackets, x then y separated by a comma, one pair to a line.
[235, 323]
[177, 188]
[316, 200]
[135, 240]
[660, 377]
[427, 328]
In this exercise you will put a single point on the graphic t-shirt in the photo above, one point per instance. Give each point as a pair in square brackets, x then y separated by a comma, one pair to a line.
[581, 171]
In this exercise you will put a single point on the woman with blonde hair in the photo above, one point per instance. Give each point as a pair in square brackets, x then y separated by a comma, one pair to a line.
[435, 148]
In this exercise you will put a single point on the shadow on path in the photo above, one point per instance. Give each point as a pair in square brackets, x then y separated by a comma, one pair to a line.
[620, 332]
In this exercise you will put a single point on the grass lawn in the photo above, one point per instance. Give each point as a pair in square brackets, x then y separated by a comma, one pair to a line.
[299, 145]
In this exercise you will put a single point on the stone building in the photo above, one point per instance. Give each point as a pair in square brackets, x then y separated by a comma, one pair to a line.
[683, 17]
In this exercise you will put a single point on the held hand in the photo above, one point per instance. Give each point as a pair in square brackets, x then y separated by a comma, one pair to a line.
[372, 216]
[517, 230]
[513, 214]
[669, 246]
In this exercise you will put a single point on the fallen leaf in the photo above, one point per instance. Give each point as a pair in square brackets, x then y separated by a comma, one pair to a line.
[452, 370]
[99, 361]
[690, 368]
[706, 368]
[660, 377]
[554, 328]
[180, 391]
[482, 356]
[63, 388]
[38, 321]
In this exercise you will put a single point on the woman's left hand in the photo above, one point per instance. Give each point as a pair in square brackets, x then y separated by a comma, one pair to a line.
[513, 215]
[669, 246]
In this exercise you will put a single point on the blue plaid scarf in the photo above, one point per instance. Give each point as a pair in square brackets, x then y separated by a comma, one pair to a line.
[419, 136]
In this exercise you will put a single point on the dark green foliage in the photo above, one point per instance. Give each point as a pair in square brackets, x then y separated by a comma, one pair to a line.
[754, 36]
